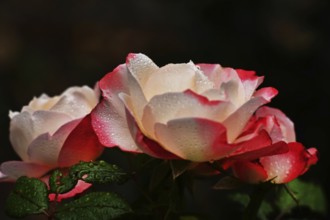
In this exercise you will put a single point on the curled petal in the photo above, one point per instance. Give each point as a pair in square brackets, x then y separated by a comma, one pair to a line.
[285, 124]
[250, 81]
[236, 122]
[141, 67]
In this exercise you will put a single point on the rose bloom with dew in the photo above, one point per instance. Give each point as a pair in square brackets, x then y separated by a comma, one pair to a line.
[53, 132]
[199, 113]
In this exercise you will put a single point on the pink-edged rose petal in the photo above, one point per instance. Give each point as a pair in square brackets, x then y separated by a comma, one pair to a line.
[250, 81]
[141, 67]
[249, 172]
[237, 121]
[254, 150]
[288, 166]
[212, 72]
[109, 116]
[45, 149]
[79, 188]
[285, 124]
[81, 145]
[153, 148]
[111, 127]
[16, 169]
[25, 127]
[169, 106]
[194, 139]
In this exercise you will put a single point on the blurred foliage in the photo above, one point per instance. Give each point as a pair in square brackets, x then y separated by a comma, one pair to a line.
[297, 198]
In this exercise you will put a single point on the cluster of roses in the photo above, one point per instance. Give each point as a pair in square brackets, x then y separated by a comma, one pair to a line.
[199, 113]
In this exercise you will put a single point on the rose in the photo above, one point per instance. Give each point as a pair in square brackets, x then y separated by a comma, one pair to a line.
[51, 133]
[199, 113]
[187, 111]
[280, 168]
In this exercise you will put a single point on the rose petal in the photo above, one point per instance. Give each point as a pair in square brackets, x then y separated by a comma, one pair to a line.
[194, 139]
[258, 147]
[111, 127]
[15, 169]
[202, 82]
[285, 124]
[237, 121]
[79, 188]
[250, 81]
[268, 123]
[82, 144]
[163, 108]
[232, 87]
[3, 177]
[76, 102]
[152, 148]
[213, 73]
[288, 166]
[135, 100]
[25, 127]
[141, 67]
[42, 102]
[249, 172]
[170, 78]
[46, 148]
[109, 117]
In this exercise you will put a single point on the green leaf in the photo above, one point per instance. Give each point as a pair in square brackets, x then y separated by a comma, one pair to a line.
[61, 184]
[243, 199]
[96, 205]
[307, 194]
[29, 196]
[97, 172]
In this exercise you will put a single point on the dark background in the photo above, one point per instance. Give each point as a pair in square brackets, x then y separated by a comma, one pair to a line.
[47, 46]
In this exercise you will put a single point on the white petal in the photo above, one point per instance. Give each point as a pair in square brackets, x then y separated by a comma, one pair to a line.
[232, 87]
[141, 67]
[163, 108]
[76, 102]
[26, 127]
[237, 121]
[202, 83]
[16, 169]
[194, 139]
[170, 78]
[46, 148]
